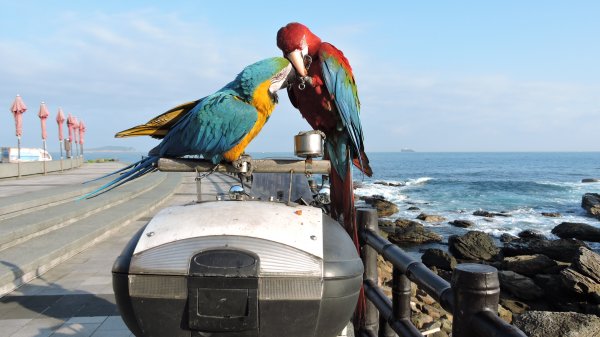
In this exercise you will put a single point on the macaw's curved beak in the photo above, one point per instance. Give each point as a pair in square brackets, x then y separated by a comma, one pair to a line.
[297, 61]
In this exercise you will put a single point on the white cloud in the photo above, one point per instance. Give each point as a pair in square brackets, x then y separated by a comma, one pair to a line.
[438, 113]
[116, 71]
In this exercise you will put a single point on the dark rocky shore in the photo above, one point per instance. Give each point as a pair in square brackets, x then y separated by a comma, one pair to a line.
[549, 287]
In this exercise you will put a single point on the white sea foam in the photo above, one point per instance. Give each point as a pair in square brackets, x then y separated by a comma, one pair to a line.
[390, 193]
[418, 181]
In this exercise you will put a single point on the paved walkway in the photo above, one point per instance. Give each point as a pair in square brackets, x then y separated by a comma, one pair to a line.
[29, 184]
[75, 298]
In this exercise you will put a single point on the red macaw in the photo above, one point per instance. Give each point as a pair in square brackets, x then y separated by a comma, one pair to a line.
[328, 99]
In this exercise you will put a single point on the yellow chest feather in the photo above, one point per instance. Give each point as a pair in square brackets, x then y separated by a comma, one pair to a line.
[264, 106]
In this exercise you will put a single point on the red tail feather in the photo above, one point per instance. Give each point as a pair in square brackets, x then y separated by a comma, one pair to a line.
[364, 160]
[342, 206]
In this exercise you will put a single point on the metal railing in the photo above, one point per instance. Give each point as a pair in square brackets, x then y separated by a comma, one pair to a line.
[472, 296]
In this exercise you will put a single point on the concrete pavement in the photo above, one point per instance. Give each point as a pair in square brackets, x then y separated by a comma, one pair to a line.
[75, 297]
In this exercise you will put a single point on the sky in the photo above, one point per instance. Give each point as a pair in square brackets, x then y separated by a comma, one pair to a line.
[432, 76]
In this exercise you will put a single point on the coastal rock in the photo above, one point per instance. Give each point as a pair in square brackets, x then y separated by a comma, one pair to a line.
[387, 183]
[484, 214]
[516, 307]
[384, 270]
[506, 237]
[413, 208]
[563, 324]
[576, 230]
[528, 264]
[413, 232]
[401, 223]
[462, 223]
[487, 214]
[430, 218]
[531, 234]
[591, 203]
[551, 283]
[561, 249]
[590, 180]
[580, 284]
[474, 245]
[505, 314]
[419, 319]
[386, 226]
[551, 214]
[385, 223]
[519, 285]
[588, 263]
[384, 207]
[433, 257]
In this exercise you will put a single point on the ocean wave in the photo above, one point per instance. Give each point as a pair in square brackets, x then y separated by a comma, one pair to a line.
[390, 193]
[418, 181]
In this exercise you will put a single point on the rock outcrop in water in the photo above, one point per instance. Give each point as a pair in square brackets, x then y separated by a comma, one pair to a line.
[438, 258]
[538, 276]
[591, 203]
[562, 249]
[430, 218]
[412, 232]
[474, 245]
[576, 230]
[462, 223]
[384, 208]
[528, 264]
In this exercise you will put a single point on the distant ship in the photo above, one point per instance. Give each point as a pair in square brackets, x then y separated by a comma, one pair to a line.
[407, 150]
[11, 154]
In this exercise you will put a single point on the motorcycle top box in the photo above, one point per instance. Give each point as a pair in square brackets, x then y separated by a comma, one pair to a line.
[238, 269]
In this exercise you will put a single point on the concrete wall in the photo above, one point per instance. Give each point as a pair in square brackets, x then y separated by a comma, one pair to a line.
[11, 170]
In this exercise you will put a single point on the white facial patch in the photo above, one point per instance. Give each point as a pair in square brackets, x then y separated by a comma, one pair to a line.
[280, 80]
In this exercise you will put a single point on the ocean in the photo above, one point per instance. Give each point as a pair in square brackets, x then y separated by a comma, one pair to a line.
[453, 185]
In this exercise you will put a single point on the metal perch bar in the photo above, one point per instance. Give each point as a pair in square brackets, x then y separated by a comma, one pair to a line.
[257, 165]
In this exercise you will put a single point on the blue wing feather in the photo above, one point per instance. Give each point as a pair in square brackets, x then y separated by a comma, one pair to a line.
[340, 83]
[211, 128]
[217, 124]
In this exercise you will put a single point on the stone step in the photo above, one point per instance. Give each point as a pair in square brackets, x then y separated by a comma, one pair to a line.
[22, 263]
[58, 191]
[36, 222]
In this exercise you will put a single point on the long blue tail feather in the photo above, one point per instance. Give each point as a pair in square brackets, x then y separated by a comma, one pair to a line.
[129, 173]
[112, 173]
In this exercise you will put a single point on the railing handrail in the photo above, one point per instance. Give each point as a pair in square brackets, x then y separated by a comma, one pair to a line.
[472, 297]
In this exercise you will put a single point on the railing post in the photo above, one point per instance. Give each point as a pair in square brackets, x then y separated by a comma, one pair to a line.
[476, 289]
[367, 219]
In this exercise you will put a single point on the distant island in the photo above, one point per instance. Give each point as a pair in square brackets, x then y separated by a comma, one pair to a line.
[407, 150]
[112, 149]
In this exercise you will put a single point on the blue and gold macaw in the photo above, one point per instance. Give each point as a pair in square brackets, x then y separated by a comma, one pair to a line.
[217, 127]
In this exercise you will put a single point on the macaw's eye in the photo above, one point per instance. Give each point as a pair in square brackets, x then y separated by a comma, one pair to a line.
[280, 76]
